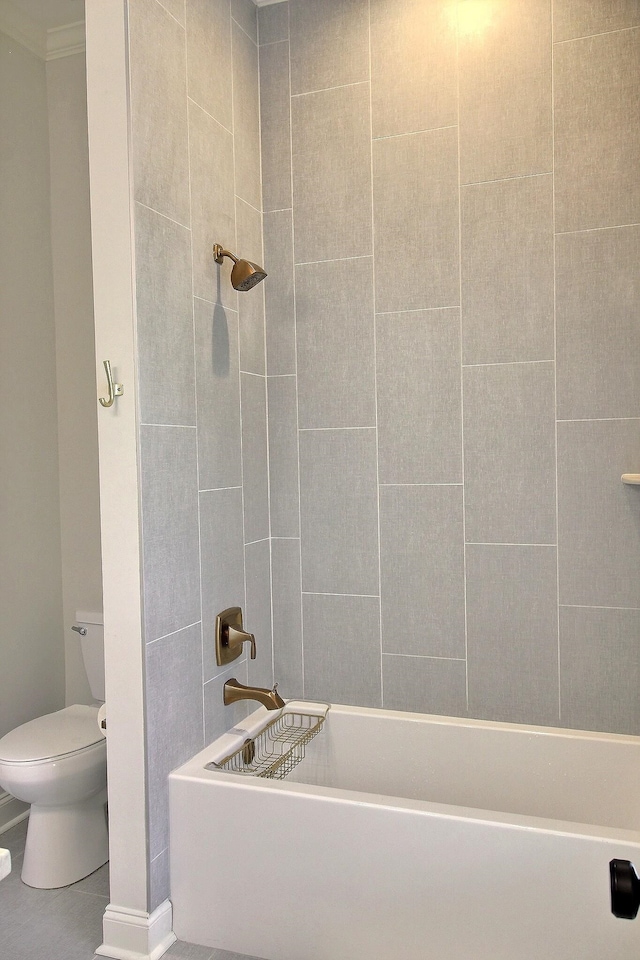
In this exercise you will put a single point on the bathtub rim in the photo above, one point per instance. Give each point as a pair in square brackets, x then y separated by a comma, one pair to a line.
[194, 770]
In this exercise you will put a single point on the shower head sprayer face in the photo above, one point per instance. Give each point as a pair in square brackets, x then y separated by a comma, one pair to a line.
[244, 273]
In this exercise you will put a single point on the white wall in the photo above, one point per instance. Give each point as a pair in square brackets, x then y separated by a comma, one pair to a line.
[31, 639]
[75, 353]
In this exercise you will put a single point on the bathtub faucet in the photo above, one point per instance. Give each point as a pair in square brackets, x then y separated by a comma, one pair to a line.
[233, 690]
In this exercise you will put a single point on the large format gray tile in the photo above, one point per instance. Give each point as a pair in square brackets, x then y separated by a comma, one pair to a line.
[246, 117]
[159, 110]
[583, 18]
[424, 685]
[169, 497]
[413, 66]
[415, 195]
[222, 564]
[218, 395]
[245, 13]
[329, 43]
[212, 206]
[175, 722]
[13, 839]
[332, 186]
[342, 664]
[97, 883]
[335, 344]
[505, 90]
[507, 270]
[166, 374]
[181, 950]
[418, 381]
[275, 125]
[255, 468]
[509, 451]
[339, 508]
[597, 136]
[273, 23]
[278, 293]
[251, 302]
[598, 516]
[598, 335]
[422, 570]
[287, 616]
[512, 633]
[65, 924]
[600, 669]
[159, 880]
[209, 57]
[283, 456]
[257, 614]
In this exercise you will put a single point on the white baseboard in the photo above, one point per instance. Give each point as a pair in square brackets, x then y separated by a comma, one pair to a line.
[12, 811]
[133, 935]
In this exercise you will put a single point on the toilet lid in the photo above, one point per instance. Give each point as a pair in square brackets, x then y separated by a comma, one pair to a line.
[53, 735]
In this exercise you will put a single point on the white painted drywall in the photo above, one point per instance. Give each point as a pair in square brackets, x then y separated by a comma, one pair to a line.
[75, 357]
[31, 637]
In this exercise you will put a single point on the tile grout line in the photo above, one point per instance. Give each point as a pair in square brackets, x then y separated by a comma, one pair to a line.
[173, 633]
[461, 330]
[413, 133]
[183, 26]
[310, 263]
[164, 216]
[210, 115]
[591, 36]
[339, 86]
[292, 265]
[375, 354]
[613, 226]
[507, 363]
[246, 32]
[235, 232]
[595, 606]
[195, 389]
[522, 176]
[323, 593]
[264, 350]
[555, 363]
[424, 656]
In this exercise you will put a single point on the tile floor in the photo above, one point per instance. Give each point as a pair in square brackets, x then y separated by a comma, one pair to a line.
[64, 924]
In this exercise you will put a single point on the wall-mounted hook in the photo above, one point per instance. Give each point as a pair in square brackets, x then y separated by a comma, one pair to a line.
[115, 389]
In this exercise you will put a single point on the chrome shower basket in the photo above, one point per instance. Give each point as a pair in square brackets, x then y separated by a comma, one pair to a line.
[277, 748]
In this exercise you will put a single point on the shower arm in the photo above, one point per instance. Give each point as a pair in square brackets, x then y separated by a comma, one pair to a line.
[219, 254]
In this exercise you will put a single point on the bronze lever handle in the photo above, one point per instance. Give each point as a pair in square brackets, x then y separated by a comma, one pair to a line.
[236, 638]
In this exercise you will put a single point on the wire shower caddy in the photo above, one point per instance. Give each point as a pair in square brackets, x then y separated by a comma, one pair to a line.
[276, 749]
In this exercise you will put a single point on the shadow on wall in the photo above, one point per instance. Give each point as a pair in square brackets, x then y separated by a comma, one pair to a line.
[220, 358]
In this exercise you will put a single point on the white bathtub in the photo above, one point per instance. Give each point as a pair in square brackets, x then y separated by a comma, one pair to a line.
[410, 837]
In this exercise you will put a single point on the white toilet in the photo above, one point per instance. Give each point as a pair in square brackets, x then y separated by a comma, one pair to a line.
[58, 764]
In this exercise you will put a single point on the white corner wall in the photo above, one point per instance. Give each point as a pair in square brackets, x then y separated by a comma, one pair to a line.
[31, 641]
[75, 355]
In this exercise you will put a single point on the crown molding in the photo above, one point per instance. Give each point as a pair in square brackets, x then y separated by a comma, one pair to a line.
[65, 41]
[44, 44]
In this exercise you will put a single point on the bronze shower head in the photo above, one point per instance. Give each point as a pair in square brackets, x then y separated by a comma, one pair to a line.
[244, 274]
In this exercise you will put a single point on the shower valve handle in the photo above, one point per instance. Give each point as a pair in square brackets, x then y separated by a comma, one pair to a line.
[236, 638]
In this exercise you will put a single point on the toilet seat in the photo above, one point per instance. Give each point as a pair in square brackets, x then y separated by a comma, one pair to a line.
[52, 736]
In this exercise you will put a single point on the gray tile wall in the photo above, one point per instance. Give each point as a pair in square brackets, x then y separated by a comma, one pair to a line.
[445, 354]
[201, 364]
[451, 226]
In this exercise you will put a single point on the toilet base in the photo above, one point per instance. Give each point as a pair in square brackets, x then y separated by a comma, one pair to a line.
[65, 843]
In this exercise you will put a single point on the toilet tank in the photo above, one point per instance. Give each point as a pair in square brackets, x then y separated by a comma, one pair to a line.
[92, 644]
